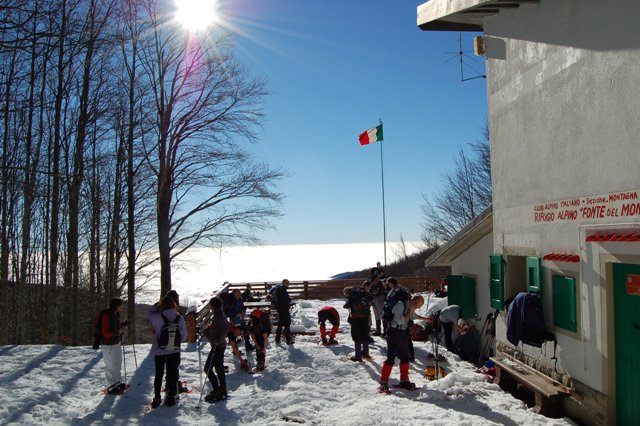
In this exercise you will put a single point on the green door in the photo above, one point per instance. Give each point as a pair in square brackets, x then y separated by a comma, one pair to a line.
[626, 298]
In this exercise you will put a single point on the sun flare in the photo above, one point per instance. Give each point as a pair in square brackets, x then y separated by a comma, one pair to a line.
[196, 15]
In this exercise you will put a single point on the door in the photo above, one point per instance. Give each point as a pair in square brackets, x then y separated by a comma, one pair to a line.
[626, 299]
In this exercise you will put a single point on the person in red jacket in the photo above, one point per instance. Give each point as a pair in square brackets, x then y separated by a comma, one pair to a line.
[112, 329]
[330, 314]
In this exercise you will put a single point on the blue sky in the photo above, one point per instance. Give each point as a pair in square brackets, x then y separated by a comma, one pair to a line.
[334, 68]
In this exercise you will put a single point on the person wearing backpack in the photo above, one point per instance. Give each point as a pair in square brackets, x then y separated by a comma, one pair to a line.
[398, 342]
[170, 330]
[282, 302]
[110, 330]
[216, 333]
[359, 305]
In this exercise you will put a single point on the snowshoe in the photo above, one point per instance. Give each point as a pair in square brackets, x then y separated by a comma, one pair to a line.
[182, 388]
[258, 369]
[170, 401]
[406, 385]
[216, 395]
[156, 402]
[384, 388]
[244, 365]
[116, 389]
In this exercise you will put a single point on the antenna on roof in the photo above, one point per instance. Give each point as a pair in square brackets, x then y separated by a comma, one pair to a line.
[466, 60]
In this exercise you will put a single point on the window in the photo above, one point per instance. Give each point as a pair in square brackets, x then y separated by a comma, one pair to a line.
[496, 291]
[534, 275]
[564, 302]
[462, 292]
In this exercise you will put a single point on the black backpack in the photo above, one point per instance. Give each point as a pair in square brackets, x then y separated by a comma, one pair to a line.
[97, 331]
[360, 303]
[400, 295]
[170, 338]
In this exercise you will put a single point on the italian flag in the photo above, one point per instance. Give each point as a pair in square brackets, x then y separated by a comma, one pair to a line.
[371, 135]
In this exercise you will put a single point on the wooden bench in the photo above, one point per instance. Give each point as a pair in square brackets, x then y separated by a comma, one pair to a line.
[548, 393]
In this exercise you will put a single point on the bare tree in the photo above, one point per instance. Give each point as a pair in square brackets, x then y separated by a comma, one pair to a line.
[208, 188]
[465, 193]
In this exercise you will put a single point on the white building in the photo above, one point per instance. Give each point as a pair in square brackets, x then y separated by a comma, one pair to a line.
[563, 85]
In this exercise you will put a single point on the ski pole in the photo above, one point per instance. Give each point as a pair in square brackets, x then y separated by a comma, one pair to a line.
[209, 358]
[135, 358]
[124, 358]
[200, 364]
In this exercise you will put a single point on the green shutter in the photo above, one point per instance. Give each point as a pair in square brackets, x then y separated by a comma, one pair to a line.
[496, 291]
[534, 275]
[462, 292]
[564, 302]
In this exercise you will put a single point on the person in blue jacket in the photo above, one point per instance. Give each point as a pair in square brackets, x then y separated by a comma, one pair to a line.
[168, 359]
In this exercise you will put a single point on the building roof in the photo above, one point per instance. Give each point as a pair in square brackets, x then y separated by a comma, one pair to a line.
[475, 230]
[461, 15]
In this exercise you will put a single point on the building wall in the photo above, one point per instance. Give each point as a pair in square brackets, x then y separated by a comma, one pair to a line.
[563, 82]
[474, 262]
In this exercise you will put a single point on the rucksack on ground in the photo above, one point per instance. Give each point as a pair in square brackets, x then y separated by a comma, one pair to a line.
[97, 331]
[170, 338]
[400, 295]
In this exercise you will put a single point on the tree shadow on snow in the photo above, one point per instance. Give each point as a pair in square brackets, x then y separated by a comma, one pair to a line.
[131, 405]
[53, 395]
[34, 363]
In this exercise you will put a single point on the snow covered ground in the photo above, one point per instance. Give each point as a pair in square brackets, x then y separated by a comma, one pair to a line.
[305, 383]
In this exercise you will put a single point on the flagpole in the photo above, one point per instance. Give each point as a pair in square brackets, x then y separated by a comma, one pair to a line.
[384, 220]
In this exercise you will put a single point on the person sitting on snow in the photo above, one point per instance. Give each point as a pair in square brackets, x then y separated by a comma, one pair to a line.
[330, 314]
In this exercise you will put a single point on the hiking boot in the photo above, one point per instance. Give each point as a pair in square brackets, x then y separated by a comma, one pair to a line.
[376, 333]
[370, 339]
[170, 401]
[156, 402]
[249, 347]
[260, 367]
[216, 395]
[290, 341]
[407, 385]
[244, 364]
[332, 341]
[182, 388]
[277, 340]
[356, 359]
[384, 388]
[325, 341]
[367, 357]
